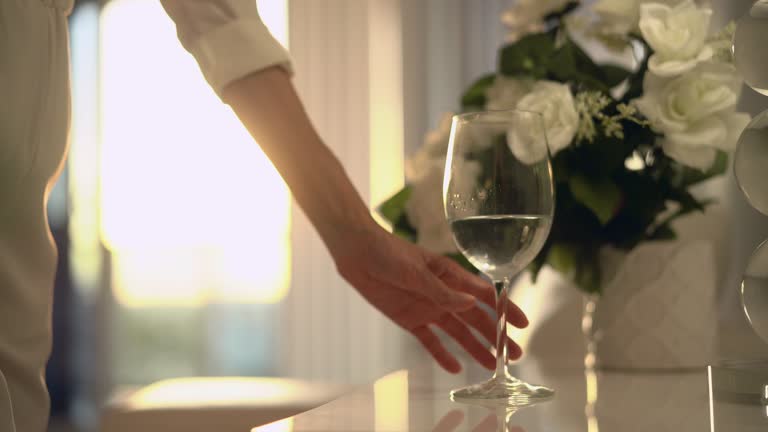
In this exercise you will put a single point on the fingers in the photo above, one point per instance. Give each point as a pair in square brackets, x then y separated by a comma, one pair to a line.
[460, 332]
[480, 321]
[489, 423]
[432, 344]
[450, 421]
[485, 324]
[516, 316]
[456, 277]
[445, 297]
[514, 351]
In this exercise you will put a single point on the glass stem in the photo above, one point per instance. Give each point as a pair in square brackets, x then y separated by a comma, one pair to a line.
[502, 351]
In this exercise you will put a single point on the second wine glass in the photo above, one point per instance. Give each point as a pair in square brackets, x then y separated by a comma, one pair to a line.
[499, 200]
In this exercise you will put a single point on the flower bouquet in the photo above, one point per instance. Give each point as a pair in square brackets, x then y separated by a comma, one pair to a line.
[628, 140]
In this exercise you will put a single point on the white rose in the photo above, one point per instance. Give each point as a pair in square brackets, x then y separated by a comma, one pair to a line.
[617, 16]
[424, 208]
[695, 113]
[696, 146]
[436, 141]
[622, 16]
[425, 212]
[435, 147]
[527, 16]
[678, 36]
[555, 103]
[505, 93]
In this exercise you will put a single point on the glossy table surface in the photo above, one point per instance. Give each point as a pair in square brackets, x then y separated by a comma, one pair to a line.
[417, 399]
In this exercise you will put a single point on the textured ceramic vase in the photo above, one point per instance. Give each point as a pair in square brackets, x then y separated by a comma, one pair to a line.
[657, 309]
[671, 402]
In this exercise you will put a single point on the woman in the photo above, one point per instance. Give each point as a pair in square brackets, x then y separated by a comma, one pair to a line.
[250, 71]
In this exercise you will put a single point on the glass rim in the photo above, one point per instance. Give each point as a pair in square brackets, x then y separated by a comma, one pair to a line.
[463, 117]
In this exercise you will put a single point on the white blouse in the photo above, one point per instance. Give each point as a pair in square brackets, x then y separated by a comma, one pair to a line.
[226, 37]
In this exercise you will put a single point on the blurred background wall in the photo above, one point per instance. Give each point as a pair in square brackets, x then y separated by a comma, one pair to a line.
[181, 252]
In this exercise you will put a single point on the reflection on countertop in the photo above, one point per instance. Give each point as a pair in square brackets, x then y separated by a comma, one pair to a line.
[417, 399]
[499, 421]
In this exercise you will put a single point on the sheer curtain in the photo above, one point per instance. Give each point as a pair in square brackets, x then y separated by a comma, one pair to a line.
[347, 57]
[375, 76]
[450, 43]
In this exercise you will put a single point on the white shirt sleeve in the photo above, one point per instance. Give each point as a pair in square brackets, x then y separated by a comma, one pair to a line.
[226, 37]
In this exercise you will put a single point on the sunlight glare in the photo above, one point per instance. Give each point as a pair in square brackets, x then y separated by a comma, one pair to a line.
[216, 392]
[192, 209]
[387, 165]
[284, 425]
[390, 395]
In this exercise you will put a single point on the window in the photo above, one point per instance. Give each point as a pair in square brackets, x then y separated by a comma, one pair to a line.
[193, 216]
[192, 210]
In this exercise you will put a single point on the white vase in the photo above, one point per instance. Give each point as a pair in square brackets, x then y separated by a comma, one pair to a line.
[657, 309]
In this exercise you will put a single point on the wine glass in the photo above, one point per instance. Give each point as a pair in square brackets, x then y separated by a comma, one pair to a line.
[499, 201]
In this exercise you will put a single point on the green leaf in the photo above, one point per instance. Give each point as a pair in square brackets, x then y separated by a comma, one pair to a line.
[692, 176]
[563, 258]
[535, 267]
[635, 89]
[529, 56]
[645, 199]
[663, 232]
[571, 64]
[573, 222]
[588, 274]
[558, 15]
[393, 209]
[604, 157]
[404, 229]
[603, 197]
[578, 262]
[475, 95]
[614, 75]
[538, 262]
[688, 204]
[687, 201]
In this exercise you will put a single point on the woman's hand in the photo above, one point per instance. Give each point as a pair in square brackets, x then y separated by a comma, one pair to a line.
[416, 289]
[419, 290]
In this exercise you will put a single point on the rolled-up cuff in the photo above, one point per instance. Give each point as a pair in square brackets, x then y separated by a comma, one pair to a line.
[237, 49]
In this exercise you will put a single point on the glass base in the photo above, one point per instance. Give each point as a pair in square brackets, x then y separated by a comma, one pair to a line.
[509, 392]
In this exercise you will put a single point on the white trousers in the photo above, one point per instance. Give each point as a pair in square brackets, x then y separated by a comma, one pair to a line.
[34, 123]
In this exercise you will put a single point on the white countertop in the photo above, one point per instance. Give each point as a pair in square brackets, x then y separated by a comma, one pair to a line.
[416, 399]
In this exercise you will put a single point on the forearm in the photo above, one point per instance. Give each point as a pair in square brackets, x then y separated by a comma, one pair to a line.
[268, 106]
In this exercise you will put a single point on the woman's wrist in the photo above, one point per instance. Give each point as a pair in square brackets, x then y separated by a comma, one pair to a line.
[269, 107]
[340, 216]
